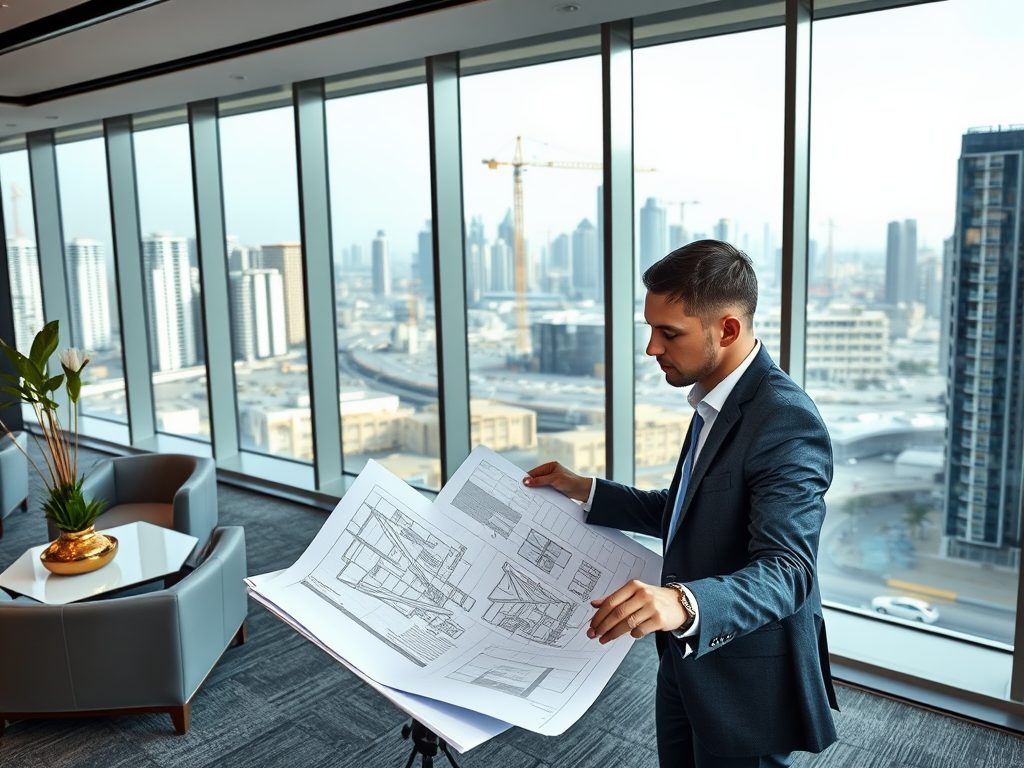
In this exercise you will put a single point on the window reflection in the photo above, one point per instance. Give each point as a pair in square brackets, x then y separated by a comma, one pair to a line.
[914, 320]
[716, 176]
[532, 150]
[171, 277]
[89, 265]
[22, 253]
[383, 247]
[266, 283]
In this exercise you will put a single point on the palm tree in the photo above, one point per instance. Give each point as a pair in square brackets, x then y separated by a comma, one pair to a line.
[916, 515]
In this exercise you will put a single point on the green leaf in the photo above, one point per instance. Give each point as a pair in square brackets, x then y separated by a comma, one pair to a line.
[45, 344]
[28, 370]
[52, 385]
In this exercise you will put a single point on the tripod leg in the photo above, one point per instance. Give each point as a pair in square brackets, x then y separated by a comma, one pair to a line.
[449, 755]
[412, 757]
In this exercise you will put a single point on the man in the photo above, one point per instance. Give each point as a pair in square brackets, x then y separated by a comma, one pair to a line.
[744, 677]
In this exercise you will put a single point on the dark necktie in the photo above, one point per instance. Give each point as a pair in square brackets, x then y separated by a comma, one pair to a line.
[684, 481]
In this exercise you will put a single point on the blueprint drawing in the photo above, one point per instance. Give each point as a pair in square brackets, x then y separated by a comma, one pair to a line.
[479, 599]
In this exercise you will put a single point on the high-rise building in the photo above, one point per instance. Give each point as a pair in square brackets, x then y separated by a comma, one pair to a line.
[425, 261]
[258, 325]
[501, 275]
[507, 231]
[168, 277]
[653, 223]
[88, 294]
[26, 294]
[723, 231]
[587, 270]
[901, 262]
[381, 265]
[985, 408]
[241, 257]
[286, 258]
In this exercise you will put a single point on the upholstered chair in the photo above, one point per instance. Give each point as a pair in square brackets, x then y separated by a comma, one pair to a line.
[13, 475]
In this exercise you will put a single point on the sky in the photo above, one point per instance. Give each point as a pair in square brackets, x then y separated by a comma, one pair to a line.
[893, 93]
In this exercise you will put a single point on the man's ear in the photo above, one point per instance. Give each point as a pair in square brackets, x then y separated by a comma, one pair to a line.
[731, 330]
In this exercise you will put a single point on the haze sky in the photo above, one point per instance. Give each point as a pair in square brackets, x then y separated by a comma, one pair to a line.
[893, 93]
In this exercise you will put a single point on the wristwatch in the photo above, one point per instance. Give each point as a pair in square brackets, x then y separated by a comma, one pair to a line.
[691, 614]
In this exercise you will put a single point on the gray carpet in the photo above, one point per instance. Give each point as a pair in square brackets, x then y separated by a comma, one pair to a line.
[278, 701]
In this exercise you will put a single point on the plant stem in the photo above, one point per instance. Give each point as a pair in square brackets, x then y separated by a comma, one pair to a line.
[18, 446]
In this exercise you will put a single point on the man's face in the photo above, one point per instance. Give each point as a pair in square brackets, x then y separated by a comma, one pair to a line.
[682, 346]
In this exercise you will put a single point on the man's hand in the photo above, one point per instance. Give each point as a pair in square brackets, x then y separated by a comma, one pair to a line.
[561, 479]
[638, 609]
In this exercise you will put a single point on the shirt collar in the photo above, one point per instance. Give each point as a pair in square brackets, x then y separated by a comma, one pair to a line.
[715, 399]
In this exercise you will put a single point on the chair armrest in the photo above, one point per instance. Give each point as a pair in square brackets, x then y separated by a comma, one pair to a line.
[195, 503]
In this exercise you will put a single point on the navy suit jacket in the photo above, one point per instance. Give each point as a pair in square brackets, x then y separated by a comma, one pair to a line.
[758, 680]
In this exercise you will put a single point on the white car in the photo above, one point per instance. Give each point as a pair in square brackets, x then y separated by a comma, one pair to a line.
[906, 608]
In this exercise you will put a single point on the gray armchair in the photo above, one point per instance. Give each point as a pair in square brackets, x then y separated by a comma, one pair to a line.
[124, 655]
[13, 476]
[170, 490]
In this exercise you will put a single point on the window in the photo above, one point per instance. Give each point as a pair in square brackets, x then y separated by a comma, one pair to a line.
[89, 265]
[384, 282]
[916, 216]
[706, 168]
[171, 277]
[534, 275]
[266, 283]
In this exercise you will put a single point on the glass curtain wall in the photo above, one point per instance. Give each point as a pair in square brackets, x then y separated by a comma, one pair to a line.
[915, 320]
[89, 264]
[266, 282]
[163, 168]
[531, 159]
[708, 144]
[379, 165]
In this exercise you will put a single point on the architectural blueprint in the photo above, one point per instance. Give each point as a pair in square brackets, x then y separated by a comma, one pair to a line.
[480, 599]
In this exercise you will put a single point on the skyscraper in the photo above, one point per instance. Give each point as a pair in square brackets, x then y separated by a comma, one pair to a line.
[425, 261]
[26, 294]
[587, 271]
[501, 276]
[723, 231]
[88, 294]
[653, 223]
[901, 263]
[476, 261]
[985, 411]
[168, 276]
[381, 265]
[258, 325]
[286, 258]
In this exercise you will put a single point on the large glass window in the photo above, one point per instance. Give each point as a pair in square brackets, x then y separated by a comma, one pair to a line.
[708, 136]
[171, 276]
[915, 321]
[22, 254]
[384, 284]
[266, 281]
[532, 151]
[89, 264]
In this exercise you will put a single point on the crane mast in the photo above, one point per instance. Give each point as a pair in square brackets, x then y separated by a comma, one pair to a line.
[523, 346]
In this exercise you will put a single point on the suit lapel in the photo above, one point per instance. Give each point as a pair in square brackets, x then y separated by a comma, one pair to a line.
[727, 419]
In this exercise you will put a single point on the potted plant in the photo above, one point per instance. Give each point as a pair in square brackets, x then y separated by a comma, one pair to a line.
[79, 549]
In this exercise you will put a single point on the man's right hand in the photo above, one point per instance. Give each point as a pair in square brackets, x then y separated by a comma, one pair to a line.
[561, 479]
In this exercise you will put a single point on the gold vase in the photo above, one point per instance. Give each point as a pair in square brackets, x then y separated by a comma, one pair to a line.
[79, 552]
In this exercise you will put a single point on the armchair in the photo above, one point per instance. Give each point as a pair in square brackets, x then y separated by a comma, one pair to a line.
[170, 490]
[13, 476]
[135, 654]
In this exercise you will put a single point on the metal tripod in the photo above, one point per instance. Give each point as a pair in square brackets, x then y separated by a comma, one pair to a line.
[425, 743]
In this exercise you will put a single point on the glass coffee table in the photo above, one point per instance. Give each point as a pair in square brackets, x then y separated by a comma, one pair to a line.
[144, 552]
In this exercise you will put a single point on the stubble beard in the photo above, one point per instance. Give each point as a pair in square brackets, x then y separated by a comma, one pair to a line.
[708, 364]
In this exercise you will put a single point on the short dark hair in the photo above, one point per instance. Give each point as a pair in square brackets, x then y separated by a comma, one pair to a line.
[705, 276]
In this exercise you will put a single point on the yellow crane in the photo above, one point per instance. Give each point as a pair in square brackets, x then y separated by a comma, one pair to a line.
[523, 346]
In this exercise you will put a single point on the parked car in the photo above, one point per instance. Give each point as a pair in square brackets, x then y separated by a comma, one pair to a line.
[906, 608]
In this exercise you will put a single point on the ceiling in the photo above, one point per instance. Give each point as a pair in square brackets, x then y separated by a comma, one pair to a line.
[64, 62]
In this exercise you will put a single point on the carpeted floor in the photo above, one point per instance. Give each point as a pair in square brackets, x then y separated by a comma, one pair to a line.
[280, 702]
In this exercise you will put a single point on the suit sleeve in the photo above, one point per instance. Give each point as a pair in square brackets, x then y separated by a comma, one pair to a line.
[788, 467]
[629, 509]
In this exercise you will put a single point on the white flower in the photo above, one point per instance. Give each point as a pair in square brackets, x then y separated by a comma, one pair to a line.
[74, 359]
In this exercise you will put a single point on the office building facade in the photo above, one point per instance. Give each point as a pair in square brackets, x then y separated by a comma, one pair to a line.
[88, 294]
[168, 276]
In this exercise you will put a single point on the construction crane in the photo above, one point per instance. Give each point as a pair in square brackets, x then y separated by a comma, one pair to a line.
[682, 218]
[523, 346]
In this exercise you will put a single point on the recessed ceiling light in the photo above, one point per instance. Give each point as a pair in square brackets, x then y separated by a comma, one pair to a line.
[567, 8]
[237, 77]
[12, 125]
[52, 117]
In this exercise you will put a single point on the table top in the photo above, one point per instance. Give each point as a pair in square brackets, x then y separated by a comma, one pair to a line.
[144, 552]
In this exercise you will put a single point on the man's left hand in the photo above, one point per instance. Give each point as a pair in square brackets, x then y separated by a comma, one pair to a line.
[637, 609]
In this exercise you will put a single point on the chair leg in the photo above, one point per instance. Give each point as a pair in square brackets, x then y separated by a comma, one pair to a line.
[241, 635]
[3, 723]
[180, 716]
[24, 505]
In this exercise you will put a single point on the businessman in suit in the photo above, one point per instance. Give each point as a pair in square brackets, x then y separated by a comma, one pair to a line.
[743, 679]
